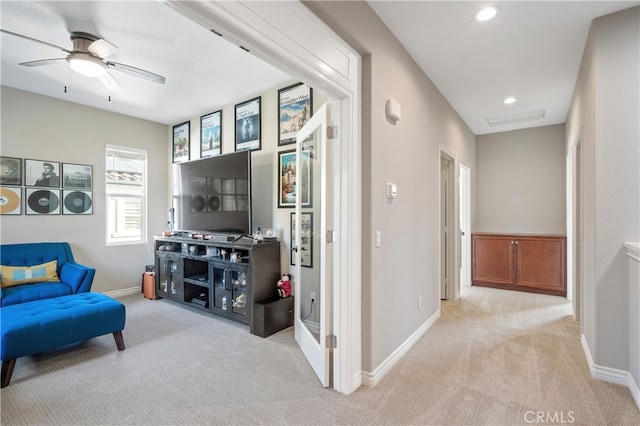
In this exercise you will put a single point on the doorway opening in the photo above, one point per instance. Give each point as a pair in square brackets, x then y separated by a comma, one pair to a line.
[447, 227]
[316, 56]
[574, 227]
[465, 228]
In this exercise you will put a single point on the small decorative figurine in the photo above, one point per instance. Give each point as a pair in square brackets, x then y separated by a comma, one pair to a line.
[284, 286]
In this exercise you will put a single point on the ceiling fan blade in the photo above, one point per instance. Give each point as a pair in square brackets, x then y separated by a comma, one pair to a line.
[137, 72]
[35, 40]
[41, 62]
[102, 48]
[109, 82]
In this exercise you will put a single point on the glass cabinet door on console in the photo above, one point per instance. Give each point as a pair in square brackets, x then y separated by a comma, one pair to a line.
[230, 294]
[169, 270]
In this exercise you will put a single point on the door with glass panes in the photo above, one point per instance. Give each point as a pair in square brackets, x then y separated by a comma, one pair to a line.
[230, 290]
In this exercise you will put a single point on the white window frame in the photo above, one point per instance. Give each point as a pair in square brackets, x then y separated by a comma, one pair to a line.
[114, 196]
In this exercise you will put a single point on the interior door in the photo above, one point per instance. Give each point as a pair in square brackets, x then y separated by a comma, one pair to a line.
[310, 249]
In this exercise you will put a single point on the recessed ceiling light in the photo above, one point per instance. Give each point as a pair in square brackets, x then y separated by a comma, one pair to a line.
[487, 13]
[509, 100]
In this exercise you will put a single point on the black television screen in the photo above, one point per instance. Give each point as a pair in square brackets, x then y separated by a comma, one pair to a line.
[213, 194]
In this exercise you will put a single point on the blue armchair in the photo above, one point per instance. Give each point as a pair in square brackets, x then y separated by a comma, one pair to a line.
[74, 278]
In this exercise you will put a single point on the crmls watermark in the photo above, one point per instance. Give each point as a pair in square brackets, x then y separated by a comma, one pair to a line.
[555, 417]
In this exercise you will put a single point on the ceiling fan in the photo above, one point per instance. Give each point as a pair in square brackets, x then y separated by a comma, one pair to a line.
[87, 57]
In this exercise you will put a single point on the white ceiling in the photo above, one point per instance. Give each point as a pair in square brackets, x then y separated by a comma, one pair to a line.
[203, 71]
[531, 50]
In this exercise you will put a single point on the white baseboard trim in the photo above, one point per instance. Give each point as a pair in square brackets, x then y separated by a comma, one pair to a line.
[370, 379]
[124, 292]
[635, 390]
[611, 375]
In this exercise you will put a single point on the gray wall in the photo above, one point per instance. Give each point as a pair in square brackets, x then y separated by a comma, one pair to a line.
[408, 154]
[605, 108]
[42, 128]
[264, 180]
[521, 181]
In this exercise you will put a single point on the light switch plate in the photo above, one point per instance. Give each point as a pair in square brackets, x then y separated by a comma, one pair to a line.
[392, 190]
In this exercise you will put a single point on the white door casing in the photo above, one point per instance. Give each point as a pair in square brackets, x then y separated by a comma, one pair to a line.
[312, 52]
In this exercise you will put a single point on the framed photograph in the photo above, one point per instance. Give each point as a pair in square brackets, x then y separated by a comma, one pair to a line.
[77, 202]
[296, 108]
[77, 176]
[42, 201]
[181, 142]
[306, 239]
[10, 200]
[211, 134]
[10, 171]
[291, 182]
[43, 174]
[248, 125]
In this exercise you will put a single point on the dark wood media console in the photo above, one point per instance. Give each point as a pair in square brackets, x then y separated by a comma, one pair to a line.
[222, 275]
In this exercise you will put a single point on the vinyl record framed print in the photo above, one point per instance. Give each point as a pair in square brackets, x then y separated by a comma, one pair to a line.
[211, 134]
[42, 201]
[181, 142]
[248, 125]
[77, 202]
[10, 171]
[295, 109]
[10, 200]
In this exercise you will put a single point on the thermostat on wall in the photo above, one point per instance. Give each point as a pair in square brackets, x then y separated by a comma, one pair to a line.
[393, 109]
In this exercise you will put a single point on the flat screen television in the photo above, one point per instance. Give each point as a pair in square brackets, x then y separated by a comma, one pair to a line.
[213, 194]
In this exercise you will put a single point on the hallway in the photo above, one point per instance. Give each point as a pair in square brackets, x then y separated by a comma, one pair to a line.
[499, 357]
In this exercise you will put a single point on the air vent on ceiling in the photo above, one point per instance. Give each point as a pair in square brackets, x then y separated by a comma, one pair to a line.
[516, 118]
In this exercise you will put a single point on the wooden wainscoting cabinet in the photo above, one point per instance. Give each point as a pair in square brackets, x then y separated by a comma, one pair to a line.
[534, 263]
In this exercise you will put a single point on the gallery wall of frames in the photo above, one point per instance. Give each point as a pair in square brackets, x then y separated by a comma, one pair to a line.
[294, 109]
[45, 187]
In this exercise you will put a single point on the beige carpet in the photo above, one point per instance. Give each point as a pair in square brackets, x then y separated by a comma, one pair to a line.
[495, 358]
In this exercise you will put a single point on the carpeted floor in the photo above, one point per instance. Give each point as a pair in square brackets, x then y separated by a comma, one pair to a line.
[495, 357]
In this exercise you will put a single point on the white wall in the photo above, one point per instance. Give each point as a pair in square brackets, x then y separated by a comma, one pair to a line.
[521, 181]
[406, 266]
[43, 128]
[606, 107]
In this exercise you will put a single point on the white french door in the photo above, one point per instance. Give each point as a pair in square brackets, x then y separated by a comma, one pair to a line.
[311, 251]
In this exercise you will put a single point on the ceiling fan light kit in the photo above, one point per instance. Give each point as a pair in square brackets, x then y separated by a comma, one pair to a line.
[88, 58]
[86, 64]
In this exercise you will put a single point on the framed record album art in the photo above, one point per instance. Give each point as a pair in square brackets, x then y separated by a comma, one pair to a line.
[76, 176]
[77, 202]
[10, 171]
[44, 174]
[42, 201]
[10, 200]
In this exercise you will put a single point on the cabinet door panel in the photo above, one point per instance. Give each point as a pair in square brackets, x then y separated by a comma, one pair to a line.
[492, 260]
[540, 263]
